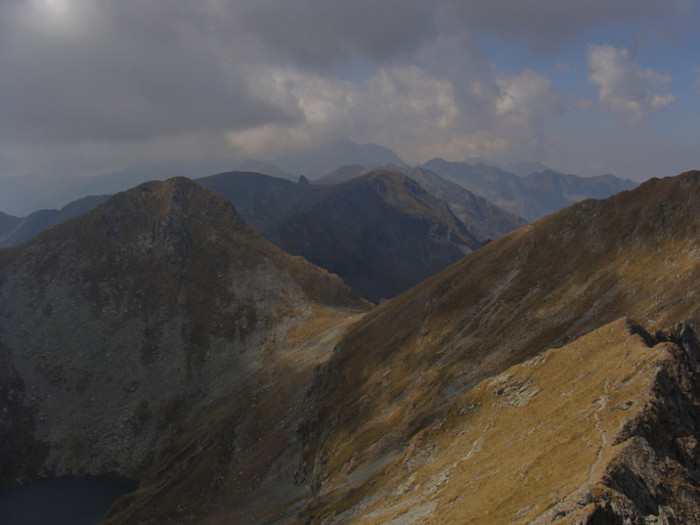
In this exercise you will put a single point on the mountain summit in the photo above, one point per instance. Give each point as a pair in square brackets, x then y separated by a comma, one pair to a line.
[119, 327]
[382, 233]
[317, 161]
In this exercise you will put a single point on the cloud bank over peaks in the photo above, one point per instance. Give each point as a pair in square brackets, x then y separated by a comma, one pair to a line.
[395, 106]
[623, 85]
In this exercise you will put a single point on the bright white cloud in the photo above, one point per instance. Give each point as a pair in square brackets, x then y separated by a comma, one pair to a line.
[525, 97]
[623, 86]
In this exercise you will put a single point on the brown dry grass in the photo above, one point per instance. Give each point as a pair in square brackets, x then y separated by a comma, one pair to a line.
[496, 458]
[541, 286]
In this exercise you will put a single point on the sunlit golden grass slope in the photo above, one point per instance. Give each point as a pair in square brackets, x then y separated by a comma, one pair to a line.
[397, 372]
[561, 438]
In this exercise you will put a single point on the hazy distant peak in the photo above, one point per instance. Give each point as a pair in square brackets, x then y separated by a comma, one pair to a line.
[327, 157]
[524, 168]
[266, 168]
[480, 160]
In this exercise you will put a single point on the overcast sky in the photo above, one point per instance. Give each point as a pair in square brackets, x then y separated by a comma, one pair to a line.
[586, 86]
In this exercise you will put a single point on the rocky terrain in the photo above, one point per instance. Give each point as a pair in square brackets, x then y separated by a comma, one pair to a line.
[121, 328]
[573, 435]
[551, 376]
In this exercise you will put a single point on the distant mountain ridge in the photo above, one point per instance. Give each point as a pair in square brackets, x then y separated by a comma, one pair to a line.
[261, 200]
[534, 196]
[482, 218]
[389, 255]
[317, 161]
[382, 233]
[19, 230]
[356, 230]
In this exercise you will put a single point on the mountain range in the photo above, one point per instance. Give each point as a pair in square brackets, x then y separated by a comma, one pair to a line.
[16, 230]
[482, 218]
[532, 196]
[531, 199]
[550, 376]
[382, 233]
[380, 230]
[319, 160]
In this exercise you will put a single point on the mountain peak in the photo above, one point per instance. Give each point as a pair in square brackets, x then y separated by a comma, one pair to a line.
[320, 160]
[382, 232]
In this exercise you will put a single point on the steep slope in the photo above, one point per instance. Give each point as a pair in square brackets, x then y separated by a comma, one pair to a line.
[404, 366]
[603, 430]
[123, 327]
[28, 227]
[508, 388]
[382, 233]
[481, 218]
[317, 161]
[261, 200]
[7, 223]
[533, 196]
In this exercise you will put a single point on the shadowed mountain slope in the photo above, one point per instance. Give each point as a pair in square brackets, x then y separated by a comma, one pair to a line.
[261, 200]
[25, 228]
[533, 196]
[483, 219]
[382, 233]
[120, 328]
[400, 370]
[7, 222]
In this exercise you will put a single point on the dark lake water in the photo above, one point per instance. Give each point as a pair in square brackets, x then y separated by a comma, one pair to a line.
[65, 500]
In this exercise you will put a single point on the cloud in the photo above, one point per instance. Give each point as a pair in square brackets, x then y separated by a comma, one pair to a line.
[549, 24]
[623, 86]
[397, 107]
[117, 80]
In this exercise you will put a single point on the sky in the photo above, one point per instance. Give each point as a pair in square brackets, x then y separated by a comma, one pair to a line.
[585, 86]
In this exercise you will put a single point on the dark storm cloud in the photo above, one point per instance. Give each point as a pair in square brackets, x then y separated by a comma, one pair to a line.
[107, 72]
[178, 73]
[546, 24]
[320, 33]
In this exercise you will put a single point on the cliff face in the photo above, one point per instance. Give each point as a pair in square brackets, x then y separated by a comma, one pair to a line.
[122, 327]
